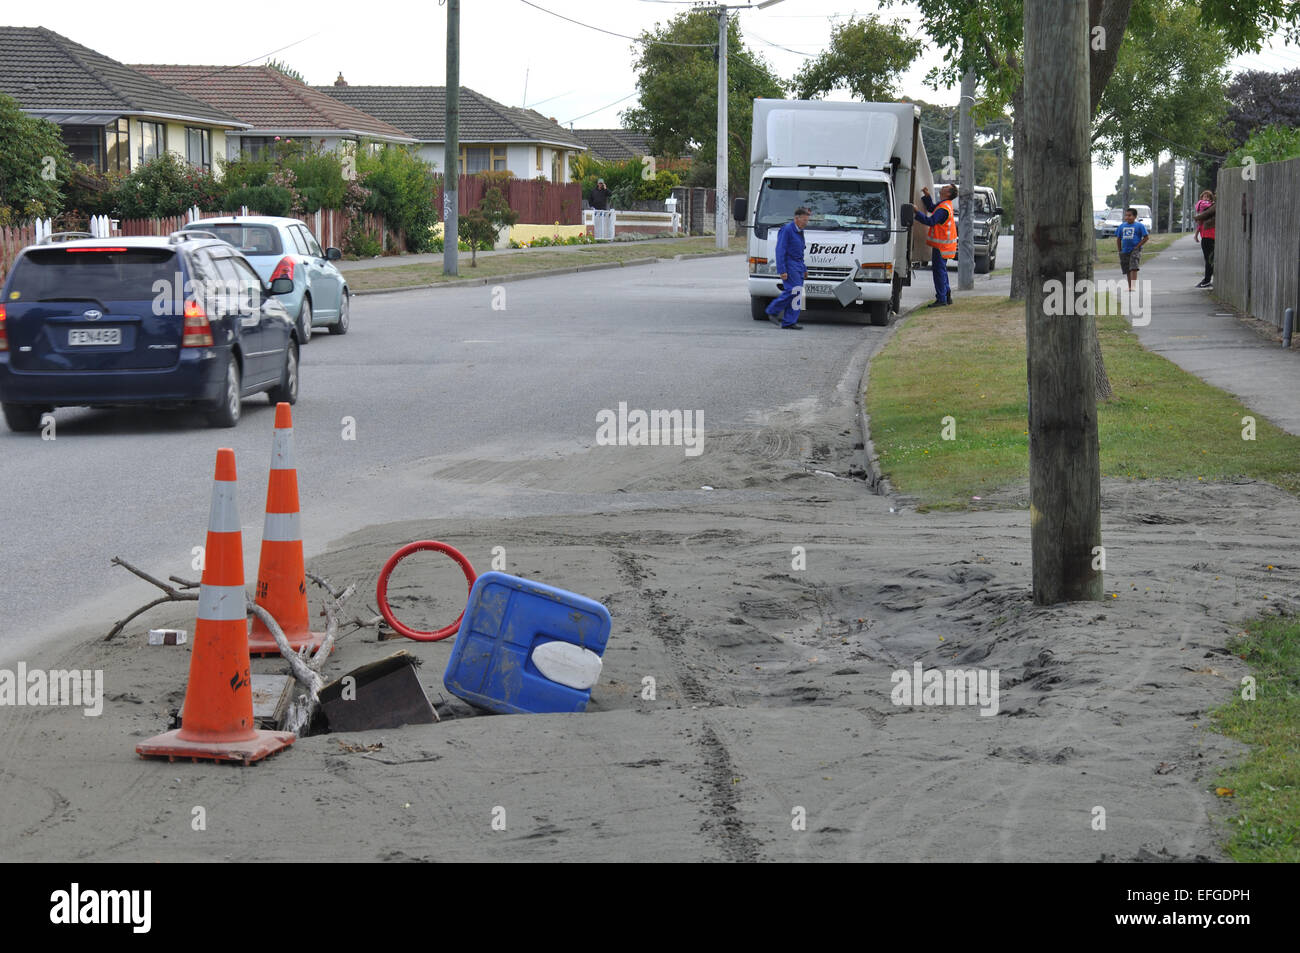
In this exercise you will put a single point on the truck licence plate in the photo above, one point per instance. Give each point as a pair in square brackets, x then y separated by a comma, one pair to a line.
[81, 336]
[820, 290]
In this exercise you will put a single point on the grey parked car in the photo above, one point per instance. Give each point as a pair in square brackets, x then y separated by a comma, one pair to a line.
[988, 226]
[285, 247]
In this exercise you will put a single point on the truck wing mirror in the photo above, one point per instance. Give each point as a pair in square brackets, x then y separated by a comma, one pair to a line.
[997, 210]
[740, 209]
[907, 214]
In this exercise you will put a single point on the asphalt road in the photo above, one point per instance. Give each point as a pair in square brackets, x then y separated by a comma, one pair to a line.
[429, 378]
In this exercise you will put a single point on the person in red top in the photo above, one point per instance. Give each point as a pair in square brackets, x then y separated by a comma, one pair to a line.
[1205, 234]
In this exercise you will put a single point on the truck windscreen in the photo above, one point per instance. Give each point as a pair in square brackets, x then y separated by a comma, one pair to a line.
[860, 206]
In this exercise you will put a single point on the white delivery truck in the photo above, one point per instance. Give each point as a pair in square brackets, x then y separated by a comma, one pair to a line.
[859, 167]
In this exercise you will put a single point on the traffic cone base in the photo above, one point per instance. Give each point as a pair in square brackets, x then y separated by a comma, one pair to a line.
[171, 746]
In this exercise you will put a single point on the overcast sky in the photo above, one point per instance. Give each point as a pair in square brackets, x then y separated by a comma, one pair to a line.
[568, 70]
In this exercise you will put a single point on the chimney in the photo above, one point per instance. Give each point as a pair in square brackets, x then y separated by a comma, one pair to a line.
[340, 81]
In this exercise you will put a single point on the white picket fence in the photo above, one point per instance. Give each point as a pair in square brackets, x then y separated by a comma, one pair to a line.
[101, 226]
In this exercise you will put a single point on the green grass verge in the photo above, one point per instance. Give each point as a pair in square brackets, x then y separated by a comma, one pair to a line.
[530, 260]
[968, 362]
[1266, 786]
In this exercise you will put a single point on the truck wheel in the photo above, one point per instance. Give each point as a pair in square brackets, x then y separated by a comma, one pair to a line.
[982, 264]
[758, 309]
[879, 311]
[896, 298]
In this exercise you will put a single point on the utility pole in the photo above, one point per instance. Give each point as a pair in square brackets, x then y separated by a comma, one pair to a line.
[966, 194]
[721, 214]
[451, 151]
[1173, 166]
[1155, 194]
[1064, 458]
[1002, 148]
[1123, 192]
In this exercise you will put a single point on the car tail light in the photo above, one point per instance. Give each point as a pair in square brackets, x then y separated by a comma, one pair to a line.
[197, 331]
[284, 269]
[71, 250]
[4, 335]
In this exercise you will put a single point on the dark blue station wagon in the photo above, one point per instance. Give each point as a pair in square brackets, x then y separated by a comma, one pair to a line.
[178, 321]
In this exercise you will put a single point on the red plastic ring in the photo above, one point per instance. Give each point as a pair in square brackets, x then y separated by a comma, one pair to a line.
[381, 589]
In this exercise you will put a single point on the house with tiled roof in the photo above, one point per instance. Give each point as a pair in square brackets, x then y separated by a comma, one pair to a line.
[493, 137]
[113, 117]
[276, 107]
[615, 145]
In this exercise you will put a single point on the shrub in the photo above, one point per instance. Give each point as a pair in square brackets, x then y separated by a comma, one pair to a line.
[33, 162]
[1269, 144]
[264, 199]
[165, 185]
[403, 190]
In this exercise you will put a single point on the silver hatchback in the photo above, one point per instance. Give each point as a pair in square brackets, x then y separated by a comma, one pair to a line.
[286, 248]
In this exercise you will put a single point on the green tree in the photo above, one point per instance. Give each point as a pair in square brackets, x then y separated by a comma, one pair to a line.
[33, 163]
[403, 190]
[1270, 144]
[865, 56]
[480, 226]
[280, 66]
[1167, 87]
[678, 93]
[1246, 23]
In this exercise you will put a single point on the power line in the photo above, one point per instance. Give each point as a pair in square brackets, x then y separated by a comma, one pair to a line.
[602, 108]
[245, 63]
[634, 39]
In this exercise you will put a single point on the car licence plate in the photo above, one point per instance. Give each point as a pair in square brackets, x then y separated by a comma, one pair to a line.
[83, 336]
[820, 290]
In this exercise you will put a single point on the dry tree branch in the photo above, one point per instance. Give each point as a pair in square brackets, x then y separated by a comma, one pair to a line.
[172, 594]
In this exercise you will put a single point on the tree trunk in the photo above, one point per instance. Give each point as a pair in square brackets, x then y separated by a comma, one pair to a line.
[1064, 465]
[1019, 251]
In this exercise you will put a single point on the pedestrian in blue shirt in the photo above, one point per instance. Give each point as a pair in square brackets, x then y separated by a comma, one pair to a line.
[1129, 239]
[790, 266]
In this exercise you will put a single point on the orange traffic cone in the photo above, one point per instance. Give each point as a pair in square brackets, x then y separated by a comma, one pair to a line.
[281, 575]
[217, 723]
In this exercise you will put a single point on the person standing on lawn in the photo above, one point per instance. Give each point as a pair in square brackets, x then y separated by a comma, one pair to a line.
[942, 239]
[790, 266]
[1129, 239]
[1205, 235]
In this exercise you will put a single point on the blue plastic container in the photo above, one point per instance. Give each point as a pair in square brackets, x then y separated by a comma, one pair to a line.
[506, 618]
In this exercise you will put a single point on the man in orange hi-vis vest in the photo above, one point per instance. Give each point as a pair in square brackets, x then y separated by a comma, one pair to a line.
[942, 239]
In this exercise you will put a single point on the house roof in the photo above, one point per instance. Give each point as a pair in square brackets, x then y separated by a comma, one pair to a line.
[270, 101]
[421, 111]
[49, 74]
[615, 144]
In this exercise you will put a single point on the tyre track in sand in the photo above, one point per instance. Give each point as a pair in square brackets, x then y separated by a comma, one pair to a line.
[724, 825]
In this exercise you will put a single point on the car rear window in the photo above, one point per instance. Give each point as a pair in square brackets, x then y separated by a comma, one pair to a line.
[113, 274]
[250, 239]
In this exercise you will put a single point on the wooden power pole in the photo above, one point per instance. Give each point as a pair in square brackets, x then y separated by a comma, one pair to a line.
[451, 149]
[1064, 465]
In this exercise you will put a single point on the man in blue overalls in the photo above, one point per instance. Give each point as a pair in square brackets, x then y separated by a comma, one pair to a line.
[789, 265]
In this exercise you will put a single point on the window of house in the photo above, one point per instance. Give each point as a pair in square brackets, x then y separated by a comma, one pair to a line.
[85, 144]
[482, 159]
[117, 152]
[557, 163]
[198, 147]
[539, 158]
[153, 140]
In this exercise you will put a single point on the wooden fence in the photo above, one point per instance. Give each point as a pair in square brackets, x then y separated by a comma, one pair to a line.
[538, 203]
[12, 241]
[1257, 239]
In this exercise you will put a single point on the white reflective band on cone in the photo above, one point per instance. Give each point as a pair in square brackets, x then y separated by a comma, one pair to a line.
[281, 528]
[224, 516]
[222, 603]
[282, 450]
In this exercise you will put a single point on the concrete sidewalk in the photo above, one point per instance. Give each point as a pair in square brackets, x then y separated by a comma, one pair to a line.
[1189, 327]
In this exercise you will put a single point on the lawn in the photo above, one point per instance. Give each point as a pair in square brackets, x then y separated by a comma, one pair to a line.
[968, 362]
